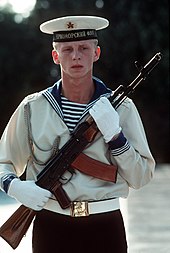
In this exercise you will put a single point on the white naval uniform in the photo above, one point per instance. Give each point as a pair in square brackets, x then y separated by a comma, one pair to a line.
[49, 133]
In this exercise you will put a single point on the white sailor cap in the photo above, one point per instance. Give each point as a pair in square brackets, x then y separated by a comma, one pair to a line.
[74, 28]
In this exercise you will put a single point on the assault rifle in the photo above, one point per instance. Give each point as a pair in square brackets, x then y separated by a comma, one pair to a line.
[16, 226]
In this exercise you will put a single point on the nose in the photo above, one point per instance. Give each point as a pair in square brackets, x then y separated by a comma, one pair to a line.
[76, 55]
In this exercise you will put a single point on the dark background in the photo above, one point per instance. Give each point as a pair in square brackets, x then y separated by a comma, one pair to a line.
[138, 30]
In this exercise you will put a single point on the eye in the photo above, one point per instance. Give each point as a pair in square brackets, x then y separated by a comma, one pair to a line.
[84, 48]
[67, 49]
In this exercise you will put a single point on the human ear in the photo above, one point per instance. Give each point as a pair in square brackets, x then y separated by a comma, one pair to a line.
[55, 57]
[97, 53]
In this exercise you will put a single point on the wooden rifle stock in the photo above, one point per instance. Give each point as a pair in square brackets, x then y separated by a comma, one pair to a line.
[16, 226]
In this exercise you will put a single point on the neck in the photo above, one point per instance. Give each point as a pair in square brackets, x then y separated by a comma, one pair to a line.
[78, 90]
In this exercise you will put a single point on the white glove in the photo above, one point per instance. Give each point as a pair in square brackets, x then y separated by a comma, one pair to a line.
[29, 194]
[106, 118]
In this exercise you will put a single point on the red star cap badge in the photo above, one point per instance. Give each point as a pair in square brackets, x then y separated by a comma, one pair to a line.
[70, 25]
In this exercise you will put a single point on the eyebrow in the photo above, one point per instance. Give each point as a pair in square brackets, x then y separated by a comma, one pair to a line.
[80, 45]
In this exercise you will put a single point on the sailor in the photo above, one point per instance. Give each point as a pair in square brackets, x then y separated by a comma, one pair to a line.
[44, 122]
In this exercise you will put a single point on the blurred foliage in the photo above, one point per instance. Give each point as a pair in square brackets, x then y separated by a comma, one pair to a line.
[138, 30]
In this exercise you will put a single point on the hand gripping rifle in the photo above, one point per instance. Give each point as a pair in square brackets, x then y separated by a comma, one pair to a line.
[16, 226]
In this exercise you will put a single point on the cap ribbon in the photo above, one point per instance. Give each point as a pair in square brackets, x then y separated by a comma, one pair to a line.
[74, 35]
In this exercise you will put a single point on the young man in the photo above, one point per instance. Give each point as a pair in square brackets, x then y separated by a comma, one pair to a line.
[43, 123]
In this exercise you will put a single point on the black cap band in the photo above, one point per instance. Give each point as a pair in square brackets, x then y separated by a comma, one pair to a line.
[74, 35]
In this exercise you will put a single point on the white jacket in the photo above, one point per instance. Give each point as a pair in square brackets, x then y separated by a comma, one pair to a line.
[36, 131]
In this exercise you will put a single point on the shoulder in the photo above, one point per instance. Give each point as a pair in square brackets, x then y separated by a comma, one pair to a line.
[127, 104]
[128, 109]
[34, 97]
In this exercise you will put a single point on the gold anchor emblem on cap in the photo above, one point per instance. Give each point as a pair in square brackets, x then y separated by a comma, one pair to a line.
[70, 25]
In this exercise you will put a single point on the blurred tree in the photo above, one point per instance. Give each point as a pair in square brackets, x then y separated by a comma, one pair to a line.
[138, 29]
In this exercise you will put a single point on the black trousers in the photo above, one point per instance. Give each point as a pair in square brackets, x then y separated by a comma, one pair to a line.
[99, 233]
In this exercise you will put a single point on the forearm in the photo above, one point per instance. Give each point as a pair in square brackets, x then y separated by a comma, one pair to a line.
[136, 169]
[14, 150]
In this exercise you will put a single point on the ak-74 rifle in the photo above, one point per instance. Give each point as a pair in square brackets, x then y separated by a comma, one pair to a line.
[16, 226]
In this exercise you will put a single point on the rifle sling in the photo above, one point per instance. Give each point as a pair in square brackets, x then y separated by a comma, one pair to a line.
[95, 168]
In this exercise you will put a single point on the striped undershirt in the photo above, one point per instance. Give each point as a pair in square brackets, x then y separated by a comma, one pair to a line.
[72, 112]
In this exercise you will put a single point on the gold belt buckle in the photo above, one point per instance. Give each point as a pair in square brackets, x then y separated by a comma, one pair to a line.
[79, 209]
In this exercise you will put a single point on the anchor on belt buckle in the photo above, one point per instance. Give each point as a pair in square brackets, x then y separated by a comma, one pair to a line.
[79, 209]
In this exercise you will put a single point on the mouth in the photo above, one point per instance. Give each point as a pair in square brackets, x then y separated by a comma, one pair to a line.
[77, 66]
